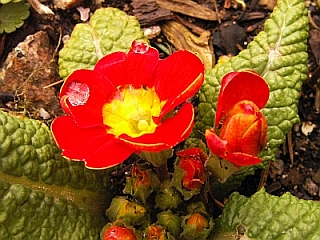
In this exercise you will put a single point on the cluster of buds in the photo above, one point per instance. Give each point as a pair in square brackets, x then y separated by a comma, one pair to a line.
[239, 134]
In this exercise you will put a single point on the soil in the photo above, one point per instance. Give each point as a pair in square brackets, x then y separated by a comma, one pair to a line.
[297, 168]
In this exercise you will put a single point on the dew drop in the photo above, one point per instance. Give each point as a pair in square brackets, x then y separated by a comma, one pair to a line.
[78, 93]
[140, 47]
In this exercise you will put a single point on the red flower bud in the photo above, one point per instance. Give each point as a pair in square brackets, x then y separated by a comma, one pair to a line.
[141, 177]
[154, 232]
[197, 219]
[119, 233]
[243, 128]
[191, 161]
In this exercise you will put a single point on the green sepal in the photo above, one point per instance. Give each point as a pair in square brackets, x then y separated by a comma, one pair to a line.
[29, 214]
[220, 168]
[263, 216]
[109, 30]
[189, 231]
[170, 221]
[130, 212]
[12, 15]
[142, 192]
[177, 179]
[279, 54]
[167, 197]
[157, 159]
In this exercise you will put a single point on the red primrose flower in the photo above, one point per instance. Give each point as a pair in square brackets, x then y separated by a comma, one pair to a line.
[242, 127]
[125, 104]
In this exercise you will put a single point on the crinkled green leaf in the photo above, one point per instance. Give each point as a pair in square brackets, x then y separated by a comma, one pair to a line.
[279, 54]
[109, 30]
[264, 216]
[7, 1]
[31, 161]
[29, 214]
[12, 15]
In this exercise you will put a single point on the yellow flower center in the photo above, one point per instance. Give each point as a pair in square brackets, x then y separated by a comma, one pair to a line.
[131, 112]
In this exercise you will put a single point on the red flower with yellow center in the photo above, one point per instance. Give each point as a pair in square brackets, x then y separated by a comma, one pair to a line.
[124, 105]
[242, 127]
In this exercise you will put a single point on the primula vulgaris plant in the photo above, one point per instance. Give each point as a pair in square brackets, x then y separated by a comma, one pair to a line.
[103, 126]
[127, 104]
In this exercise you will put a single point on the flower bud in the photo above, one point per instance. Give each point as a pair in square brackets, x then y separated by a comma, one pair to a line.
[141, 183]
[242, 129]
[198, 220]
[130, 212]
[155, 232]
[196, 226]
[242, 135]
[167, 198]
[119, 233]
[191, 161]
[170, 221]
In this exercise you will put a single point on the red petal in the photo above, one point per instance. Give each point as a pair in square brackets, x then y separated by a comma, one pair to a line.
[135, 68]
[168, 134]
[92, 145]
[250, 142]
[101, 91]
[178, 78]
[242, 159]
[238, 86]
[215, 144]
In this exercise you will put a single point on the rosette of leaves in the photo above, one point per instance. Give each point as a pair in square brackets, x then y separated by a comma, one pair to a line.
[263, 216]
[42, 194]
[109, 30]
[12, 15]
[279, 54]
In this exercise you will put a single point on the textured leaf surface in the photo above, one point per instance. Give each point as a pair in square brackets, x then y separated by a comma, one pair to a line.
[109, 30]
[12, 15]
[264, 216]
[31, 162]
[28, 214]
[279, 54]
[7, 1]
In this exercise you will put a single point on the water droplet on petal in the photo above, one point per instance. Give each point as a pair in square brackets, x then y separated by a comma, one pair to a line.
[78, 93]
[140, 47]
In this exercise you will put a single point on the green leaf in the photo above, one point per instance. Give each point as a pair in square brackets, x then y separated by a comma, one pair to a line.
[109, 30]
[33, 173]
[7, 1]
[29, 214]
[12, 16]
[279, 54]
[264, 216]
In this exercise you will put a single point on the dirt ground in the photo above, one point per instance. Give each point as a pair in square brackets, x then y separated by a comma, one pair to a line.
[297, 169]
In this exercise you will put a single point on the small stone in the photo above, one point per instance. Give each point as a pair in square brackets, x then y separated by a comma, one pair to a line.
[28, 69]
[316, 177]
[84, 13]
[44, 114]
[311, 187]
